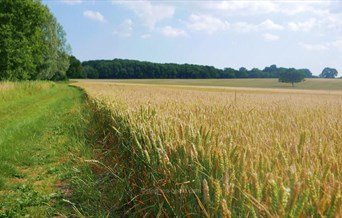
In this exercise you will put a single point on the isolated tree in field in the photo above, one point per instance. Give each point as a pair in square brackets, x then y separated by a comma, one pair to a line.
[328, 73]
[32, 43]
[291, 76]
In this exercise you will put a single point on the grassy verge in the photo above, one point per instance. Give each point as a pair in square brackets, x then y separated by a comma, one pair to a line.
[42, 144]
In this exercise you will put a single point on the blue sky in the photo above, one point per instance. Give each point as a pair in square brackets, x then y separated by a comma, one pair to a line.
[256, 33]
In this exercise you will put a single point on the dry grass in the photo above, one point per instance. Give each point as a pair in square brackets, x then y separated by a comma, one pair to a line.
[4, 86]
[225, 153]
[27, 86]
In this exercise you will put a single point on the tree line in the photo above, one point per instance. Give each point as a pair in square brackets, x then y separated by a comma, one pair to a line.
[32, 43]
[33, 47]
[133, 69]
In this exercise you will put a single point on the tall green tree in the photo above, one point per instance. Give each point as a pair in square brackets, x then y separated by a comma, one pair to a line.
[291, 76]
[307, 73]
[242, 73]
[75, 68]
[56, 53]
[90, 72]
[32, 42]
[328, 73]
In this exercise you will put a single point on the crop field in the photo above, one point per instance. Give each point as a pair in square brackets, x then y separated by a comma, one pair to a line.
[308, 84]
[220, 153]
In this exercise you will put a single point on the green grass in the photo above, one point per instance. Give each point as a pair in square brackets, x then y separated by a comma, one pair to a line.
[309, 84]
[42, 139]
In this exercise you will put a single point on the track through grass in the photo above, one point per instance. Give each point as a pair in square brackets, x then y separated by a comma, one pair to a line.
[41, 139]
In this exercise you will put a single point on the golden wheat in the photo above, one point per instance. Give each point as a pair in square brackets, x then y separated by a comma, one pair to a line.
[252, 153]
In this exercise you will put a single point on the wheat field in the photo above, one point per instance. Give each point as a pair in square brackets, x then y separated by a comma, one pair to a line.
[221, 153]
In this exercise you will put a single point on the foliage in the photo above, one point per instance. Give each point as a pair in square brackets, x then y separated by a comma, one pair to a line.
[328, 73]
[32, 42]
[185, 152]
[242, 73]
[89, 72]
[131, 69]
[75, 69]
[291, 76]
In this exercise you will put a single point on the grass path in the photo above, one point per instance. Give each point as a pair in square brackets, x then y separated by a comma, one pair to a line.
[40, 134]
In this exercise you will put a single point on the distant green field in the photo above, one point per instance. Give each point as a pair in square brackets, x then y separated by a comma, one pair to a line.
[309, 84]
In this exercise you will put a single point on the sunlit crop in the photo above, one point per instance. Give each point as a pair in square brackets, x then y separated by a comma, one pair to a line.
[213, 153]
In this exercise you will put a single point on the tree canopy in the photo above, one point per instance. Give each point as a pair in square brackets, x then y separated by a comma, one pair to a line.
[32, 42]
[132, 69]
[75, 69]
[328, 73]
[291, 76]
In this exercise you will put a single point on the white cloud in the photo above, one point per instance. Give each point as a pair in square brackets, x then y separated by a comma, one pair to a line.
[94, 15]
[125, 29]
[331, 21]
[206, 23]
[243, 7]
[71, 2]
[270, 25]
[314, 47]
[150, 13]
[145, 36]
[248, 27]
[337, 44]
[214, 16]
[270, 37]
[211, 24]
[243, 27]
[169, 31]
[236, 6]
[323, 15]
[305, 26]
[302, 7]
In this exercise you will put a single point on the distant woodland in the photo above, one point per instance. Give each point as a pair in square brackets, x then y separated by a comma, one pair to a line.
[33, 46]
[132, 69]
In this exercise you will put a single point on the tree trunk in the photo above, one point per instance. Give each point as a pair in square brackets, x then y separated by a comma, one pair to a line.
[292, 84]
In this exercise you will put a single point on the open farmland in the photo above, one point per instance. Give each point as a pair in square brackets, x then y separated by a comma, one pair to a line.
[189, 152]
[308, 84]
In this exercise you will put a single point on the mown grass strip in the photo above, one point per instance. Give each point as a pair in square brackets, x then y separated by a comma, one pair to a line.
[42, 145]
